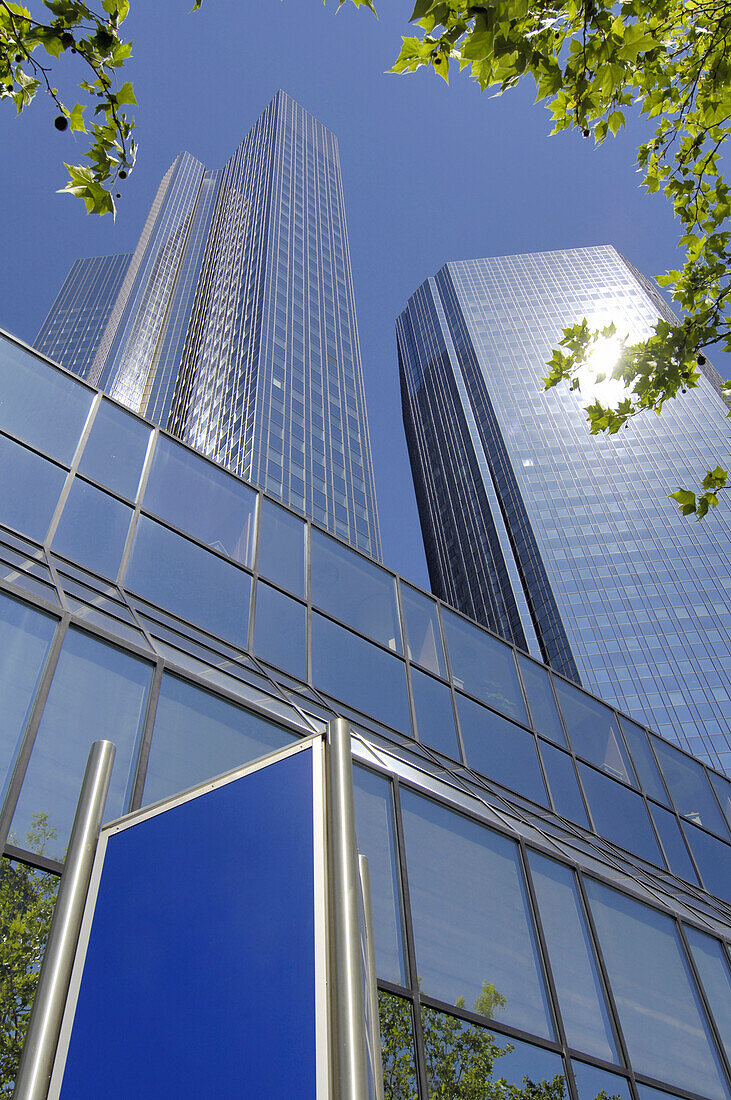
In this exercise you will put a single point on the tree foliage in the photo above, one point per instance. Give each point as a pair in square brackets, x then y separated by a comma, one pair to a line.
[27, 899]
[592, 61]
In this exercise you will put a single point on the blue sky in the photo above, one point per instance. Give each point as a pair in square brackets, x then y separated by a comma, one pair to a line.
[430, 173]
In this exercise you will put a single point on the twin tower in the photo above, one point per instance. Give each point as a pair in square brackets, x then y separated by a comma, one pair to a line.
[233, 325]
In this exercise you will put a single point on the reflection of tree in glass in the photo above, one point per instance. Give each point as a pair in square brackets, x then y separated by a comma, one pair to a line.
[27, 898]
[460, 1057]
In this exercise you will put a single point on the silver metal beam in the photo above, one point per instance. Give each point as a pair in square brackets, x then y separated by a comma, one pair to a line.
[349, 1023]
[374, 1033]
[39, 1051]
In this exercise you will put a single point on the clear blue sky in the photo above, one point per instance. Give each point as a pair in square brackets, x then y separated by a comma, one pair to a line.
[430, 173]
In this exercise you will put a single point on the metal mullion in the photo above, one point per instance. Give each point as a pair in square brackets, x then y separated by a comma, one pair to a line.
[137, 505]
[409, 944]
[29, 734]
[501, 1028]
[23, 595]
[545, 958]
[32, 859]
[604, 975]
[718, 1039]
[143, 752]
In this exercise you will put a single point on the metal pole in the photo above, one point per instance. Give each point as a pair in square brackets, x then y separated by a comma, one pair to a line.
[351, 1072]
[374, 1030]
[39, 1051]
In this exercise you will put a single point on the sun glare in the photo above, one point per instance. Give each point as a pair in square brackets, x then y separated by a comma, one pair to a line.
[595, 376]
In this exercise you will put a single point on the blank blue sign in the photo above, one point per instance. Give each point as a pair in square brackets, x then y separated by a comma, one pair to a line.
[199, 978]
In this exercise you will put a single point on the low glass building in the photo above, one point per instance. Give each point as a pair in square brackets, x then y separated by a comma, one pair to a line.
[551, 882]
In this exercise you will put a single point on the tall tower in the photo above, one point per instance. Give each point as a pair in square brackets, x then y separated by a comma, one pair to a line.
[561, 541]
[235, 326]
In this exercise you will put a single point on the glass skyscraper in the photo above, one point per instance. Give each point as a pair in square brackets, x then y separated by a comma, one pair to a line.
[234, 325]
[563, 542]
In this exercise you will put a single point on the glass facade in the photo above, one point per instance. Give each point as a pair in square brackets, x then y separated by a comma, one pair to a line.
[233, 324]
[533, 916]
[563, 542]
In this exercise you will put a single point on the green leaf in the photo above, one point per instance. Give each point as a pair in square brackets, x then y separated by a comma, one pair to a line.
[615, 120]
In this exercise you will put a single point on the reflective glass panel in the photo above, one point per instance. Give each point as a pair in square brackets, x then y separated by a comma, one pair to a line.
[659, 1007]
[202, 499]
[354, 590]
[688, 783]
[593, 731]
[39, 404]
[712, 964]
[434, 714]
[423, 640]
[620, 815]
[198, 735]
[98, 691]
[175, 573]
[563, 784]
[500, 750]
[541, 701]
[92, 529]
[575, 973]
[713, 859]
[483, 666]
[647, 1092]
[25, 638]
[671, 838]
[115, 451]
[590, 1081]
[29, 489]
[362, 675]
[644, 761]
[282, 547]
[466, 1060]
[280, 630]
[397, 1048]
[473, 929]
[375, 830]
[722, 787]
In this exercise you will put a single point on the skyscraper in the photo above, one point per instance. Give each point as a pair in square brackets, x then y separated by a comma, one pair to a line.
[235, 326]
[563, 542]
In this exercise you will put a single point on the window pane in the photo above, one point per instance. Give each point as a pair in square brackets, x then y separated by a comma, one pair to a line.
[29, 489]
[713, 967]
[93, 529]
[644, 762]
[354, 590]
[198, 497]
[713, 859]
[473, 929]
[580, 994]
[397, 1048]
[671, 838]
[282, 547]
[593, 731]
[722, 787]
[280, 630]
[98, 691]
[115, 450]
[423, 642]
[168, 570]
[689, 788]
[365, 677]
[620, 815]
[541, 701]
[563, 784]
[483, 666]
[467, 1060]
[198, 735]
[375, 829]
[590, 1081]
[659, 1008]
[434, 714]
[40, 404]
[500, 750]
[25, 638]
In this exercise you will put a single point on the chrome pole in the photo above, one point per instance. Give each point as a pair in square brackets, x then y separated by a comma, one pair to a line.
[349, 1024]
[374, 1031]
[39, 1051]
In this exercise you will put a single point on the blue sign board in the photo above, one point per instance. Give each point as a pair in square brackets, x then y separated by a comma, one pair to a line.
[201, 969]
